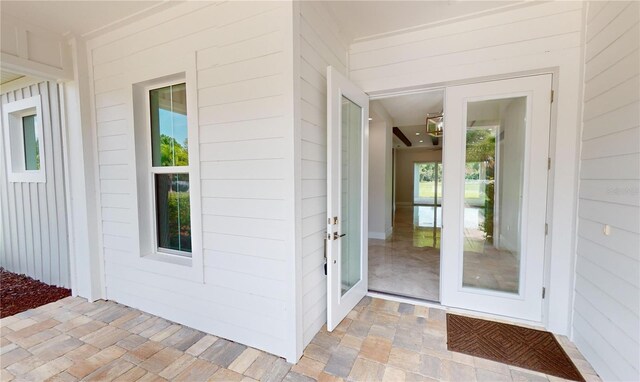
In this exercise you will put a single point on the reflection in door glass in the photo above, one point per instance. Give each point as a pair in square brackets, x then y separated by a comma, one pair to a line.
[351, 150]
[493, 184]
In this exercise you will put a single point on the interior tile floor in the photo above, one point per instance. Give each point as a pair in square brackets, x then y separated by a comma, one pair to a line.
[380, 340]
[408, 262]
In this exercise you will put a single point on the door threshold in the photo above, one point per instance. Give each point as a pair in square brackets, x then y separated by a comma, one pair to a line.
[405, 299]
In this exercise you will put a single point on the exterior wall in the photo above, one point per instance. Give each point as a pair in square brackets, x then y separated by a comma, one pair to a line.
[405, 160]
[238, 54]
[530, 38]
[33, 217]
[320, 46]
[607, 287]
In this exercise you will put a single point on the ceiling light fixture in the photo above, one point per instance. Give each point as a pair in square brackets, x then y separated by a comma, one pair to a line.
[421, 141]
[435, 125]
[417, 133]
[370, 119]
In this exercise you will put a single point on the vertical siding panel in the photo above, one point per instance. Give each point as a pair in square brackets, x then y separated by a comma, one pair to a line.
[6, 257]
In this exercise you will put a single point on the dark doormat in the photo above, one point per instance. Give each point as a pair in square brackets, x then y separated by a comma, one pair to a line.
[514, 345]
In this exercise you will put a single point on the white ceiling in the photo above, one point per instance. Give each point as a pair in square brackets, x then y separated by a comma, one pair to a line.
[81, 18]
[360, 19]
[8, 77]
[409, 114]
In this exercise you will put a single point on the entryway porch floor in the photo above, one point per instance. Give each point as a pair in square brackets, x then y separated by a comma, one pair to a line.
[380, 340]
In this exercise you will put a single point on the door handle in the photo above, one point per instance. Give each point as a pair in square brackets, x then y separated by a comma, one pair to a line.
[336, 236]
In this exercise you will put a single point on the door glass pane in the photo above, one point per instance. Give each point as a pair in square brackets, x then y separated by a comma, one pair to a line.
[351, 131]
[169, 126]
[427, 183]
[31, 146]
[174, 212]
[493, 180]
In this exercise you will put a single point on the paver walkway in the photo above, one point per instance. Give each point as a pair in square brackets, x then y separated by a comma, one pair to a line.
[380, 340]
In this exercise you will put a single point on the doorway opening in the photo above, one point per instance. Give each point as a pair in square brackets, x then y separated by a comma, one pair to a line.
[405, 167]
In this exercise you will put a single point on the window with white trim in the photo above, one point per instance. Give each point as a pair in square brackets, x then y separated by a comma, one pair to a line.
[169, 168]
[23, 136]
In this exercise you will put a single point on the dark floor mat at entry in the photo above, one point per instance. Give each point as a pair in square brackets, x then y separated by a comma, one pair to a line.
[514, 345]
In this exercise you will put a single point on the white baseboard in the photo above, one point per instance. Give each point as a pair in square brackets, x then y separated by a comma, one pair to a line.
[389, 232]
[377, 235]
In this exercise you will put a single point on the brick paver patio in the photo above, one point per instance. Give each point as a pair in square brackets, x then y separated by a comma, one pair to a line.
[380, 340]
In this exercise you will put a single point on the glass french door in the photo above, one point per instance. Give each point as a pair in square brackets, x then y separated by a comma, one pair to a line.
[347, 180]
[493, 240]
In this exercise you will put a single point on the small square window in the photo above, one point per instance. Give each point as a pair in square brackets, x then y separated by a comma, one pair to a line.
[23, 140]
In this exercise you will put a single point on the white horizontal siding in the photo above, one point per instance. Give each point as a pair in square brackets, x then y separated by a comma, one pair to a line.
[320, 46]
[242, 105]
[33, 217]
[607, 302]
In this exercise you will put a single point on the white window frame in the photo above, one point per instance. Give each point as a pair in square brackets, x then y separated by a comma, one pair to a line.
[150, 259]
[14, 140]
[155, 170]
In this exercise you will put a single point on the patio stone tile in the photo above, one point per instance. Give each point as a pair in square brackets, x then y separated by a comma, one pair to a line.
[341, 362]
[244, 360]
[351, 342]
[48, 370]
[157, 325]
[226, 375]
[150, 377]
[527, 376]
[463, 358]
[177, 366]
[359, 328]
[83, 352]
[161, 360]
[200, 370]
[376, 349]
[130, 315]
[483, 375]
[32, 329]
[223, 352]
[404, 359]
[110, 371]
[131, 342]
[14, 356]
[165, 333]
[279, 368]
[260, 366]
[404, 308]
[392, 374]
[408, 341]
[486, 364]
[72, 323]
[37, 338]
[20, 324]
[183, 338]
[454, 371]
[55, 347]
[105, 337]
[318, 353]
[4, 331]
[24, 366]
[292, 376]
[112, 314]
[85, 367]
[430, 366]
[324, 377]
[131, 323]
[143, 352]
[325, 340]
[86, 329]
[309, 367]
[62, 377]
[133, 374]
[203, 344]
[366, 370]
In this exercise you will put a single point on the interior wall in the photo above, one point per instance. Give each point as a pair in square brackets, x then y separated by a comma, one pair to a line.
[320, 45]
[538, 37]
[405, 160]
[510, 178]
[380, 172]
[33, 216]
[607, 288]
[237, 58]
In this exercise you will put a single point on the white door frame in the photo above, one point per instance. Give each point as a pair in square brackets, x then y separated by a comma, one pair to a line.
[393, 92]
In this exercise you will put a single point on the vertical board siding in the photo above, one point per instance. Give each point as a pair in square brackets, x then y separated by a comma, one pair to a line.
[320, 46]
[607, 304]
[241, 95]
[33, 216]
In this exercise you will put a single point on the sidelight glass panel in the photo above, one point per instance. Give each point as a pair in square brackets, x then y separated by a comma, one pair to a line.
[169, 138]
[493, 185]
[31, 145]
[173, 211]
[351, 130]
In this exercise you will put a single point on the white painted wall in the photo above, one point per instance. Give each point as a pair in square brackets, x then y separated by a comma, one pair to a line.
[380, 172]
[238, 57]
[541, 37]
[33, 216]
[606, 311]
[320, 45]
[405, 161]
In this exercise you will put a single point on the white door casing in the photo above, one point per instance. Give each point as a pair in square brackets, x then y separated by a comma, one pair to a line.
[347, 194]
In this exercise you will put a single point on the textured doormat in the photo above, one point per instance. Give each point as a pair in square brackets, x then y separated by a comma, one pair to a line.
[514, 345]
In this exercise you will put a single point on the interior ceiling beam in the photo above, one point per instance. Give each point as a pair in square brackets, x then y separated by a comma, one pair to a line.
[398, 133]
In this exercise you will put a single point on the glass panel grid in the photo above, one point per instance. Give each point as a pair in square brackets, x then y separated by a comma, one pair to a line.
[169, 135]
[173, 212]
[31, 144]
